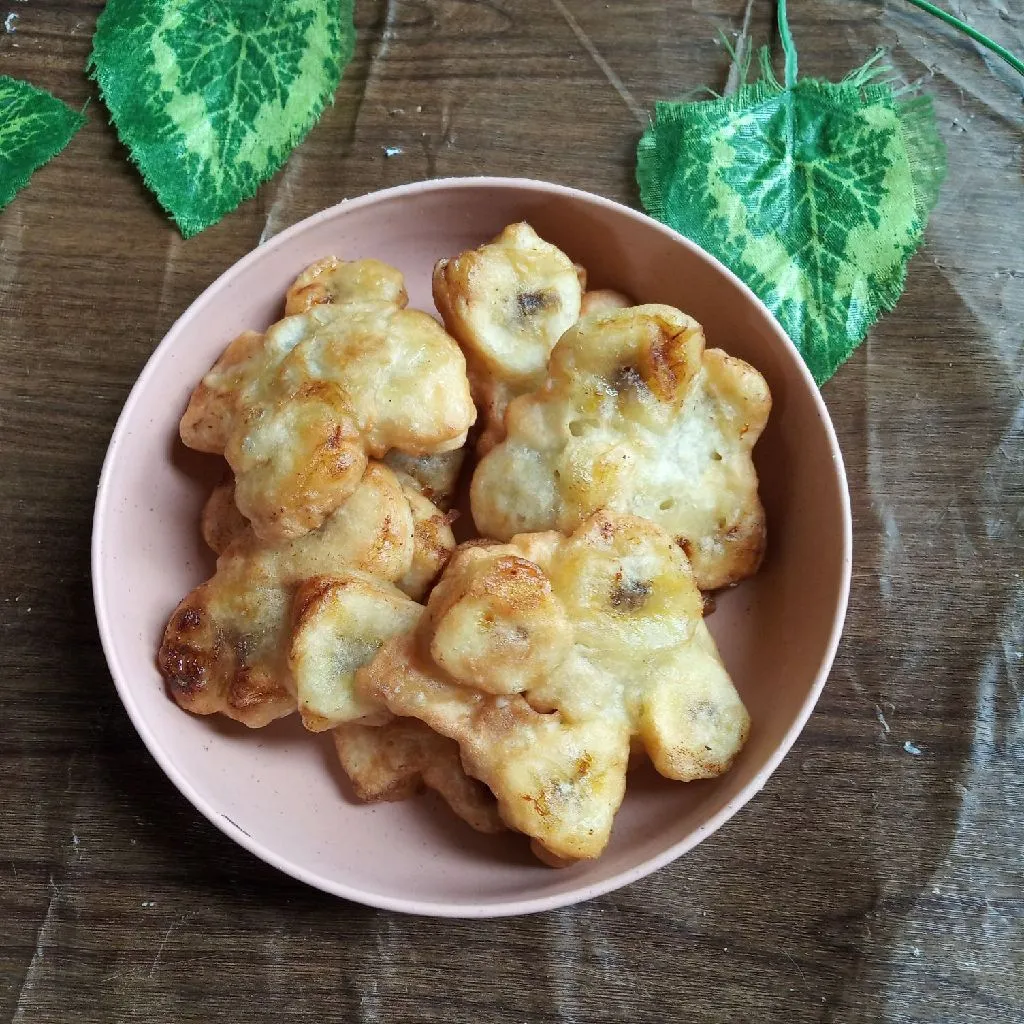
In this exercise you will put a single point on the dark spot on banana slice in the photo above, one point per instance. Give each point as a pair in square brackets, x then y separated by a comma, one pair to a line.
[533, 302]
[245, 645]
[628, 381]
[629, 595]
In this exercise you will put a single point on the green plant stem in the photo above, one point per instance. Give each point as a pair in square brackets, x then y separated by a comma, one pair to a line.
[787, 45]
[1000, 51]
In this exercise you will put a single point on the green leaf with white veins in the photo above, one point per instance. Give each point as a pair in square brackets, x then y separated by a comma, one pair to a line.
[211, 96]
[34, 128]
[815, 193]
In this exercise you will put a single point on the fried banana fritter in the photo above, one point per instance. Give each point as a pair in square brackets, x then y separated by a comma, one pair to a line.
[507, 303]
[492, 397]
[396, 761]
[298, 410]
[225, 648]
[337, 624]
[603, 300]
[637, 417]
[436, 476]
[215, 402]
[433, 540]
[220, 522]
[331, 281]
[543, 657]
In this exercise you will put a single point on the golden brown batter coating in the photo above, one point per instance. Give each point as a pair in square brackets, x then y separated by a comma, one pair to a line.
[397, 760]
[331, 281]
[507, 303]
[297, 411]
[637, 417]
[436, 476]
[338, 623]
[225, 648]
[544, 657]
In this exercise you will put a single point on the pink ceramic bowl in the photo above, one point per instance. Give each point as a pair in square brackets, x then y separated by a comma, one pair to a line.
[277, 791]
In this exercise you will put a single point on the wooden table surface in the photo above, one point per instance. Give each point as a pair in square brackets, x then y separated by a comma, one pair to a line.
[878, 877]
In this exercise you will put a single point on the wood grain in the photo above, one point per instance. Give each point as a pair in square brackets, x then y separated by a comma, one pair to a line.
[866, 883]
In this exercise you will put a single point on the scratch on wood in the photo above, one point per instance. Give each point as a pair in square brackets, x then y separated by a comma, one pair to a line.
[174, 244]
[163, 943]
[283, 194]
[606, 69]
[28, 983]
[799, 971]
[881, 719]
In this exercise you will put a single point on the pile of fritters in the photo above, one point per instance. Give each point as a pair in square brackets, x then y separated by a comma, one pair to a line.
[520, 673]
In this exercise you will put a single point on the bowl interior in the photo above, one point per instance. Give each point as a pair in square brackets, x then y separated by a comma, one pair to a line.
[278, 791]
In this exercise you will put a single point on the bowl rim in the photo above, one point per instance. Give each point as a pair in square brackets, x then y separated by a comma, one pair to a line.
[505, 907]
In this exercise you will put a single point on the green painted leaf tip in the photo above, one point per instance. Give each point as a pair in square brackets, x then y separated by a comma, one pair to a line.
[816, 196]
[34, 128]
[211, 96]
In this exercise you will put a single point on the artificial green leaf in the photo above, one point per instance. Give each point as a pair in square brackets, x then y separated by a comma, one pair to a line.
[34, 128]
[210, 96]
[816, 194]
